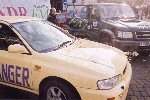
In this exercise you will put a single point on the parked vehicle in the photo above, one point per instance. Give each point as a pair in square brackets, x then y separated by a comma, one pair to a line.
[61, 17]
[39, 57]
[113, 24]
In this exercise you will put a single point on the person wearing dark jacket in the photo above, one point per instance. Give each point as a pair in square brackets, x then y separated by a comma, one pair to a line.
[52, 16]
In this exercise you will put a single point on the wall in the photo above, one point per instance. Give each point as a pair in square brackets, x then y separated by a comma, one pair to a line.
[34, 8]
[78, 2]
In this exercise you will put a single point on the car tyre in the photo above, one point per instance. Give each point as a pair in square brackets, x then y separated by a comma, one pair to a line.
[106, 40]
[59, 90]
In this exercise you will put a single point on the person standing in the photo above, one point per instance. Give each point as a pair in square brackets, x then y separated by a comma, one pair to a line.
[52, 16]
[147, 10]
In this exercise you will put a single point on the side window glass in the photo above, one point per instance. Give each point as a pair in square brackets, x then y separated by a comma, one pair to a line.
[83, 12]
[94, 14]
[7, 37]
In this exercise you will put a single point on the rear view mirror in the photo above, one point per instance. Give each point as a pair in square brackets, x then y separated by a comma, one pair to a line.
[17, 48]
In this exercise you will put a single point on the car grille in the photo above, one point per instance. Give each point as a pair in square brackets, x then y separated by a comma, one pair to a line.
[143, 47]
[142, 35]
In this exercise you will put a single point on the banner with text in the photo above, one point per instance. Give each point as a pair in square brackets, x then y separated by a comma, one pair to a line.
[34, 8]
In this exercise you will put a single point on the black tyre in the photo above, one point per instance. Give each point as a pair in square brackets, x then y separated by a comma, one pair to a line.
[106, 40]
[142, 53]
[59, 90]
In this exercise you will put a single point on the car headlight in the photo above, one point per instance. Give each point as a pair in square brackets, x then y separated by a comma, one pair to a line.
[110, 83]
[125, 34]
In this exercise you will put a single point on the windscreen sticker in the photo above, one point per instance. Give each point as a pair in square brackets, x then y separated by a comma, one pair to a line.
[15, 74]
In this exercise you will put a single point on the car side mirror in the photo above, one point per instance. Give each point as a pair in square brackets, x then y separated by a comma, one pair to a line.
[17, 48]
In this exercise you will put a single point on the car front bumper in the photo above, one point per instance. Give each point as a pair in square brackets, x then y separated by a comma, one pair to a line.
[131, 45]
[117, 93]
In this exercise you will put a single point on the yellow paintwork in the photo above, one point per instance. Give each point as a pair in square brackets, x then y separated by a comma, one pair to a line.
[82, 64]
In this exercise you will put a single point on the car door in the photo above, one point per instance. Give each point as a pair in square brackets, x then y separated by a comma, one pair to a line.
[15, 68]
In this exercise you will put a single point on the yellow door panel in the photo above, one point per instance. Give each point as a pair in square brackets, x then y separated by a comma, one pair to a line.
[16, 69]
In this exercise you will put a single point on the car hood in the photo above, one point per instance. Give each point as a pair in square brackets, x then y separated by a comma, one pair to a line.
[130, 24]
[93, 56]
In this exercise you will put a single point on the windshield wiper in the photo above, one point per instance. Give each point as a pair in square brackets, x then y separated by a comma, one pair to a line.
[61, 45]
[128, 19]
[55, 48]
[122, 17]
[115, 17]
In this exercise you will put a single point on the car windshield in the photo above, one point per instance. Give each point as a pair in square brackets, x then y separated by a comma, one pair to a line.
[116, 11]
[42, 36]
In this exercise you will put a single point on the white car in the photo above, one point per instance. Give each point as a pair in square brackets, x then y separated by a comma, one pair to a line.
[39, 57]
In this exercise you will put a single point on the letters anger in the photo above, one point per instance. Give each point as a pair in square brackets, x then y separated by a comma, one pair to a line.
[15, 74]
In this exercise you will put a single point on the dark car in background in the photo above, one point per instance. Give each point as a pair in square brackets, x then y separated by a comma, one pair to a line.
[113, 24]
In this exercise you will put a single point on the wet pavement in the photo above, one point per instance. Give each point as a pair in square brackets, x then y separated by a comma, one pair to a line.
[12, 93]
[139, 86]
[140, 83]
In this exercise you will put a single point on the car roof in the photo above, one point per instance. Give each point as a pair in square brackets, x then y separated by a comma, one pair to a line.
[91, 4]
[108, 4]
[15, 19]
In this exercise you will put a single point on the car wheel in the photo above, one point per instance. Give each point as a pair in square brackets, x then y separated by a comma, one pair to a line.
[106, 40]
[58, 90]
[142, 53]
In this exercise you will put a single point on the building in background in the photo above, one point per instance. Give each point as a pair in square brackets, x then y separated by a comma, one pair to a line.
[79, 2]
[61, 4]
[68, 5]
[58, 4]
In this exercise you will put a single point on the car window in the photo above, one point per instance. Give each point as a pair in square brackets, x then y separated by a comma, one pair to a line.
[41, 35]
[7, 37]
[94, 13]
[83, 12]
[109, 11]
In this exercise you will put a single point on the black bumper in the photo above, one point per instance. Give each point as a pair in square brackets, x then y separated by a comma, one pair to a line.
[130, 45]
